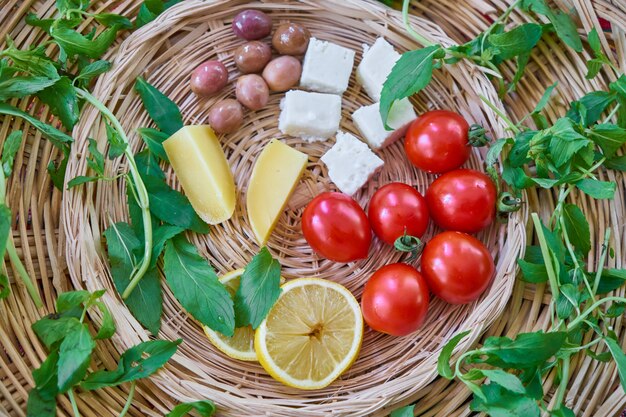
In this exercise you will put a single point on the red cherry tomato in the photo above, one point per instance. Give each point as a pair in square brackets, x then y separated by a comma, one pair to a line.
[395, 300]
[457, 267]
[437, 141]
[397, 208]
[336, 227]
[463, 200]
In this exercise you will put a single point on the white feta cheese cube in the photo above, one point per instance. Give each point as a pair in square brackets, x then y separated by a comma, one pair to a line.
[367, 119]
[377, 62]
[350, 163]
[327, 67]
[310, 116]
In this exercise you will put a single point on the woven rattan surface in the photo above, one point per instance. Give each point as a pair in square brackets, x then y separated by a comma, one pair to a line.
[52, 229]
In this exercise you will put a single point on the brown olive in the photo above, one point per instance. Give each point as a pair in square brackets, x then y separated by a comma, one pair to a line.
[252, 91]
[252, 56]
[252, 24]
[209, 78]
[282, 73]
[226, 116]
[291, 39]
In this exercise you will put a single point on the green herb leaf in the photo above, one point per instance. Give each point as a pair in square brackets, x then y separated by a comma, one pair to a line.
[79, 180]
[32, 61]
[93, 70]
[107, 327]
[41, 404]
[562, 411]
[19, 87]
[51, 330]
[9, 150]
[566, 30]
[495, 150]
[138, 362]
[74, 356]
[196, 287]
[593, 68]
[577, 228]
[618, 163]
[258, 290]
[5, 287]
[410, 74]
[608, 137]
[204, 408]
[517, 41]
[161, 109]
[145, 15]
[620, 359]
[527, 350]
[111, 19]
[611, 279]
[592, 105]
[596, 188]
[443, 362]
[117, 145]
[73, 43]
[505, 380]
[406, 411]
[531, 272]
[62, 100]
[154, 141]
[57, 171]
[543, 102]
[33, 20]
[162, 234]
[57, 137]
[501, 402]
[565, 142]
[71, 299]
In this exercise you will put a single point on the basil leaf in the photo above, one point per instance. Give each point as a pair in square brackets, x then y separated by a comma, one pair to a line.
[9, 150]
[57, 137]
[620, 359]
[527, 350]
[611, 279]
[196, 287]
[51, 330]
[111, 19]
[404, 411]
[410, 74]
[608, 137]
[577, 228]
[138, 362]
[5, 287]
[204, 408]
[505, 380]
[74, 356]
[259, 288]
[517, 41]
[146, 300]
[93, 70]
[154, 141]
[498, 401]
[62, 100]
[161, 109]
[443, 362]
[73, 43]
[597, 189]
[18, 87]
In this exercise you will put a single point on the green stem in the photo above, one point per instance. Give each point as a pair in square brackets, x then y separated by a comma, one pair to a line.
[405, 18]
[605, 246]
[129, 400]
[552, 278]
[496, 22]
[610, 116]
[560, 395]
[23, 274]
[589, 310]
[503, 116]
[142, 194]
[70, 393]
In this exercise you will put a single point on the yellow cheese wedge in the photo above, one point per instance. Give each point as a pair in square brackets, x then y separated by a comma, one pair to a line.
[203, 171]
[274, 177]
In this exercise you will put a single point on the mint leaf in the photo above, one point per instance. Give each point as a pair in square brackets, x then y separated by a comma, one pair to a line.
[596, 188]
[9, 150]
[93, 70]
[527, 350]
[51, 330]
[195, 285]
[57, 137]
[204, 408]
[138, 362]
[107, 327]
[410, 74]
[71, 299]
[565, 142]
[506, 380]
[500, 402]
[593, 68]
[618, 163]
[117, 146]
[154, 141]
[259, 288]
[73, 43]
[592, 106]
[443, 362]
[18, 87]
[517, 41]
[611, 279]
[545, 98]
[608, 137]
[111, 19]
[577, 228]
[620, 359]
[566, 30]
[533, 272]
[162, 234]
[161, 109]
[74, 356]
[406, 411]
[41, 404]
[80, 180]
[5, 287]
[62, 100]
[32, 61]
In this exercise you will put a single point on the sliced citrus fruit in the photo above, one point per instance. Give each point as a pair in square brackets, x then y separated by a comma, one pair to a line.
[311, 335]
[241, 344]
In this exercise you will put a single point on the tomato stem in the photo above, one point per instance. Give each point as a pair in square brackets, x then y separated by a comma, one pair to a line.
[408, 243]
[477, 136]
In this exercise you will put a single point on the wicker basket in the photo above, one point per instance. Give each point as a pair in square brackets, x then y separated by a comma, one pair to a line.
[389, 372]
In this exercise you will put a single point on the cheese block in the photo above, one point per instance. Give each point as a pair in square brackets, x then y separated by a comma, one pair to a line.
[203, 171]
[375, 67]
[350, 163]
[327, 67]
[276, 173]
[310, 116]
[367, 119]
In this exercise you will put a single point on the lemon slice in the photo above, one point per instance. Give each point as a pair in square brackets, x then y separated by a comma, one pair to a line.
[311, 335]
[241, 344]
